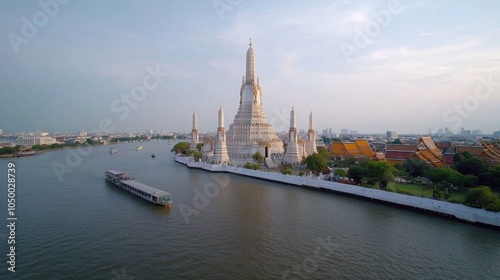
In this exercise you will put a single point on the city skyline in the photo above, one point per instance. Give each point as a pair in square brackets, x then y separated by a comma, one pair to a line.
[363, 66]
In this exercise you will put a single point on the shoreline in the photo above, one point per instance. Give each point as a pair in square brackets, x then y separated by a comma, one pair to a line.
[436, 207]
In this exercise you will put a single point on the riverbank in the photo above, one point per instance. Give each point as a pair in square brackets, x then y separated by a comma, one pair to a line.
[443, 208]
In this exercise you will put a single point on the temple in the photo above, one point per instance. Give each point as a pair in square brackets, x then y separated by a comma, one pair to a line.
[358, 148]
[425, 150]
[250, 132]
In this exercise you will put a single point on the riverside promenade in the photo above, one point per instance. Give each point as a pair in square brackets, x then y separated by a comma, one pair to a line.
[444, 208]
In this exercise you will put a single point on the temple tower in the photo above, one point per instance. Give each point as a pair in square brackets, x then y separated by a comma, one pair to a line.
[311, 137]
[220, 153]
[292, 154]
[194, 132]
[250, 131]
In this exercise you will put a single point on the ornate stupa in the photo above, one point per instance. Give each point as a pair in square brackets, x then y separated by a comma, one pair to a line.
[311, 137]
[250, 132]
[220, 152]
[194, 133]
[292, 154]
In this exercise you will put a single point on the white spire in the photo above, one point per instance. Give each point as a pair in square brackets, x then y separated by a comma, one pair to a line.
[250, 65]
[292, 118]
[221, 118]
[311, 124]
[195, 120]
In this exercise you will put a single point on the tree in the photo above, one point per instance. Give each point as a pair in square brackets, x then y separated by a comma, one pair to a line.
[348, 162]
[470, 165]
[181, 147]
[197, 155]
[258, 157]
[415, 167]
[380, 171]
[445, 175]
[340, 172]
[397, 142]
[490, 178]
[355, 173]
[323, 152]
[199, 146]
[482, 197]
[316, 163]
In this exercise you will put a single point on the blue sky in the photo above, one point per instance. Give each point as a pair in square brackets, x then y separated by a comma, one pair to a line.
[361, 65]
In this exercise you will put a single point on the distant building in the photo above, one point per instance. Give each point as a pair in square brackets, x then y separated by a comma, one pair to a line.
[1, 131]
[344, 131]
[392, 134]
[440, 132]
[497, 133]
[36, 140]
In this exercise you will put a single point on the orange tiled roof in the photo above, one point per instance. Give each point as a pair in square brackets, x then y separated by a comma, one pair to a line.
[359, 148]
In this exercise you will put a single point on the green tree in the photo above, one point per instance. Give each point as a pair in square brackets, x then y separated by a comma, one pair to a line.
[482, 197]
[397, 142]
[199, 146]
[340, 172]
[415, 167]
[469, 165]
[323, 152]
[181, 147]
[258, 157]
[356, 173]
[490, 178]
[197, 155]
[445, 175]
[348, 162]
[380, 171]
[316, 163]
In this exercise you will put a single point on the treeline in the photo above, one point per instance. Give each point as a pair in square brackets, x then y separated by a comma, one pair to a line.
[139, 138]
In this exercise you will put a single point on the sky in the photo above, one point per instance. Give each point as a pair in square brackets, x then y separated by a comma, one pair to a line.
[127, 66]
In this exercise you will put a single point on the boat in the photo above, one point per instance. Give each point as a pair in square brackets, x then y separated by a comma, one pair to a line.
[26, 153]
[113, 151]
[126, 182]
[153, 156]
[139, 148]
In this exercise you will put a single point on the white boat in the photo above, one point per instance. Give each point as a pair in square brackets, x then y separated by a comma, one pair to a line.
[124, 181]
[113, 151]
[139, 148]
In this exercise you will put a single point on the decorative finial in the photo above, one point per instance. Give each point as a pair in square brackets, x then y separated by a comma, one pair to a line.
[250, 44]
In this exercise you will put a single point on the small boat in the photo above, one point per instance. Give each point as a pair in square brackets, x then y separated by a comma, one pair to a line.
[139, 148]
[26, 153]
[126, 182]
[113, 151]
[153, 156]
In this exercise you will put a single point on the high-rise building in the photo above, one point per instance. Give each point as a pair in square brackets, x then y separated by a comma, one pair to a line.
[392, 134]
[344, 131]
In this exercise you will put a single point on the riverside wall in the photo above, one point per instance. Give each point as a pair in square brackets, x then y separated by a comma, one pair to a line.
[458, 211]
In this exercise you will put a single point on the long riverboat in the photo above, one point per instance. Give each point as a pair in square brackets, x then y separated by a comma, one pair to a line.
[125, 181]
